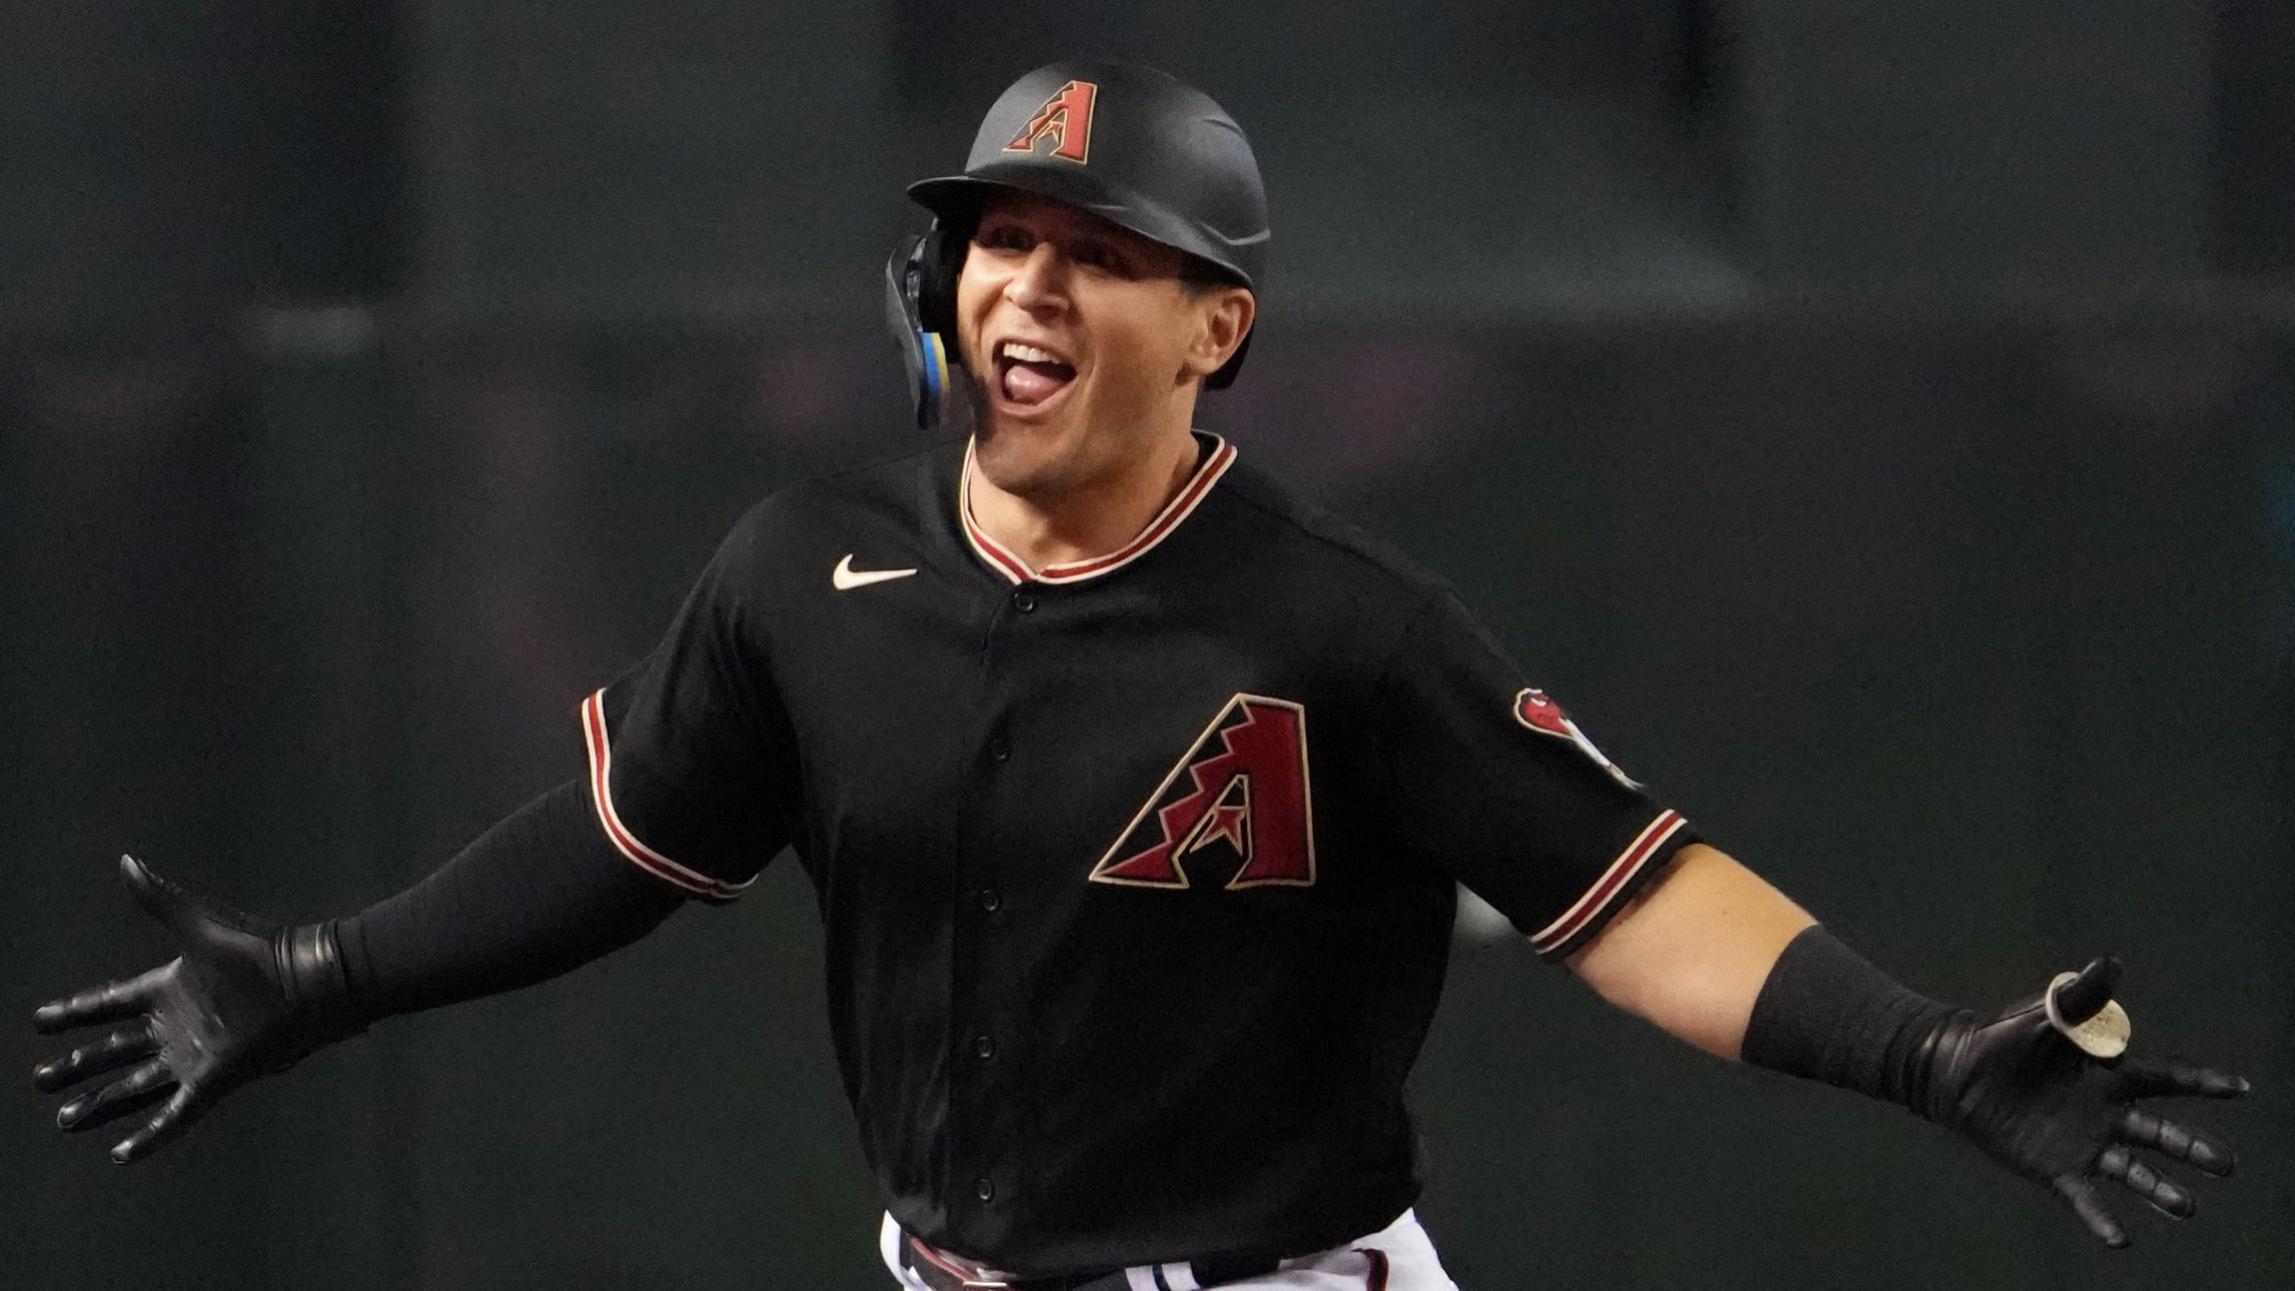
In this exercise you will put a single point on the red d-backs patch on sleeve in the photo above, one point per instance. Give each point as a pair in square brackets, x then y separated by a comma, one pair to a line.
[1537, 710]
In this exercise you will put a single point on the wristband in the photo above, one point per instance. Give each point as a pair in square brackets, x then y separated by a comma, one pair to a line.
[1827, 1014]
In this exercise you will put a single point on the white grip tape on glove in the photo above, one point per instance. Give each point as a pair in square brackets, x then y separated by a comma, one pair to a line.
[2102, 1036]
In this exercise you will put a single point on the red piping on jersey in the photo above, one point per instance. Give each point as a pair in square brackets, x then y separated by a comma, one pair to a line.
[1003, 561]
[1378, 1277]
[625, 842]
[938, 1260]
[1621, 871]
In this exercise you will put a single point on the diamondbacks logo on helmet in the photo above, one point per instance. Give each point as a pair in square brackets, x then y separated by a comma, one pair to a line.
[1243, 784]
[1537, 710]
[1066, 118]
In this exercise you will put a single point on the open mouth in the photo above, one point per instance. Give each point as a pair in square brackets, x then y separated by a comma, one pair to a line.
[1028, 375]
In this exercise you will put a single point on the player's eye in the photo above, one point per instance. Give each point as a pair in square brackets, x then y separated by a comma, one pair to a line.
[1004, 237]
[1098, 255]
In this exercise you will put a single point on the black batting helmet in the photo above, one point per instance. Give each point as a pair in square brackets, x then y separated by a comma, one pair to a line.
[1128, 143]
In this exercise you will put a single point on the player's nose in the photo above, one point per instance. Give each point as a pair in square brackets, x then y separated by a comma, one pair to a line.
[1040, 280]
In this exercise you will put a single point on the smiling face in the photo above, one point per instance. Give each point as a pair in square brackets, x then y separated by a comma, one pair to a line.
[1087, 343]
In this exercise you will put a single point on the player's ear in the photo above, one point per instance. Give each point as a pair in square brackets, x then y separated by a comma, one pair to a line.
[1223, 318]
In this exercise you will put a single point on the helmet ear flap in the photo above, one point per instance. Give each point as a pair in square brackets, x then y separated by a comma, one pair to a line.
[939, 261]
[920, 310]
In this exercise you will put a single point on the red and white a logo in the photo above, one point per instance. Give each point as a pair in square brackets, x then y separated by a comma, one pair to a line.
[1067, 118]
[1245, 784]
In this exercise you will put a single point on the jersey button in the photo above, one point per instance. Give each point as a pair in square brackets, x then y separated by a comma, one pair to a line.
[991, 900]
[983, 1047]
[984, 1188]
[999, 749]
[1024, 601]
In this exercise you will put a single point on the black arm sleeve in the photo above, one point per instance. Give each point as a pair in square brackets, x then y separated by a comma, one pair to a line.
[1827, 1014]
[538, 894]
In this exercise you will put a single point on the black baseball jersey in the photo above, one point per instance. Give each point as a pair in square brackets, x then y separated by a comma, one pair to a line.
[1136, 874]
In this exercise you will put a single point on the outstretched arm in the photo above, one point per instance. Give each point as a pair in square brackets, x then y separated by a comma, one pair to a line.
[1716, 956]
[540, 893]
[1691, 953]
[679, 748]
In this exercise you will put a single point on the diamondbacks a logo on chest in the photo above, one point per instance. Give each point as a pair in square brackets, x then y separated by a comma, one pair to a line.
[1242, 790]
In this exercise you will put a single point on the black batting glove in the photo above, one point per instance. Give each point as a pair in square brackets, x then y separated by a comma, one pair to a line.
[244, 998]
[2044, 1107]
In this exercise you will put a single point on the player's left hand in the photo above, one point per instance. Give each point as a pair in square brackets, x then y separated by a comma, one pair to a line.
[2041, 1105]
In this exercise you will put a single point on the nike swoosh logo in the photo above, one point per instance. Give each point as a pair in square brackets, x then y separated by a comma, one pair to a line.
[845, 578]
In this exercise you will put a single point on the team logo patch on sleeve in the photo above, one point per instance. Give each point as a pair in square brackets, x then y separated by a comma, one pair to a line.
[1065, 118]
[1242, 788]
[1537, 710]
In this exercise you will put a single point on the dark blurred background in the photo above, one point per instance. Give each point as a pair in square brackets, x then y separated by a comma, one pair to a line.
[1873, 419]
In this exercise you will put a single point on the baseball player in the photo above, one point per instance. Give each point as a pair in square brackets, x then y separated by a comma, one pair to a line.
[1135, 793]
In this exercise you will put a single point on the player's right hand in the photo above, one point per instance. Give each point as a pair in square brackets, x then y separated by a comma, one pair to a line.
[222, 1013]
